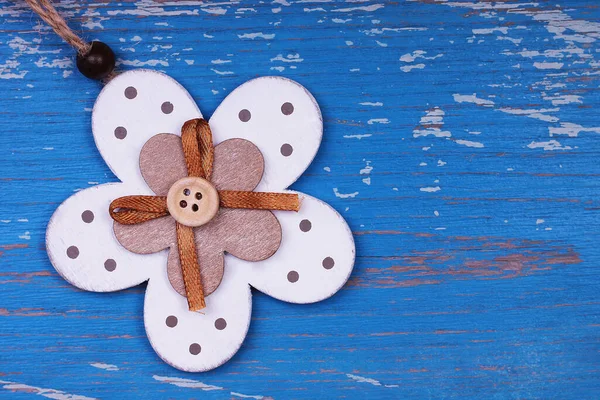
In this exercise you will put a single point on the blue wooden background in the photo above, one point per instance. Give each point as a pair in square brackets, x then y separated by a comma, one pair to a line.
[461, 145]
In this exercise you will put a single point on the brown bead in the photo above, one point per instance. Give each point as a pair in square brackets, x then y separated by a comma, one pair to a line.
[98, 62]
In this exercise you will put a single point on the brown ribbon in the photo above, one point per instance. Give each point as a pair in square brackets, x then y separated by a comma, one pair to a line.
[198, 150]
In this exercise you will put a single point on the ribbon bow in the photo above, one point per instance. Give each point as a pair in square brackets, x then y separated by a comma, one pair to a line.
[198, 150]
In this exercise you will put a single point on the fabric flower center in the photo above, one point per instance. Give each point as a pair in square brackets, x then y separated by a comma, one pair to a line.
[185, 199]
[193, 201]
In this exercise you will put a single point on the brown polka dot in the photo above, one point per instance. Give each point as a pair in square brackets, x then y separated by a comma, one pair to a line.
[171, 321]
[305, 225]
[73, 252]
[167, 107]
[286, 150]
[195, 349]
[130, 92]
[220, 324]
[120, 132]
[110, 265]
[244, 115]
[87, 216]
[293, 276]
[287, 108]
[328, 263]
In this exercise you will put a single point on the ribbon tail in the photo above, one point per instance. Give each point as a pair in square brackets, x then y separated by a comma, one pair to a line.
[206, 147]
[259, 200]
[130, 210]
[190, 268]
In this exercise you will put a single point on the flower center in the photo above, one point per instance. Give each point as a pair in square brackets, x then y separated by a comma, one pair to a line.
[193, 201]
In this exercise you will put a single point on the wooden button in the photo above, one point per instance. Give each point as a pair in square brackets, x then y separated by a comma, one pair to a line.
[193, 201]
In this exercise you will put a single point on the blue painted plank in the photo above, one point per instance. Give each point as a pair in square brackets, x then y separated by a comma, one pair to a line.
[460, 145]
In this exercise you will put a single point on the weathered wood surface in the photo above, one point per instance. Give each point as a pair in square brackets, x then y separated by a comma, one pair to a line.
[461, 145]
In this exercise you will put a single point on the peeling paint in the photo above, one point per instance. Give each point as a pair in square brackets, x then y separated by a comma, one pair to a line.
[472, 98]
[344, 195]
[431, 124]
[49, 393]
[373, 382]
[469, 143]
[571, 129]
[257, 35]
[372, 7]
[106, 367]
[186, 383]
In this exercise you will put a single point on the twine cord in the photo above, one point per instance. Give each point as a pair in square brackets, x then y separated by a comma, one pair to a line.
[48, 13]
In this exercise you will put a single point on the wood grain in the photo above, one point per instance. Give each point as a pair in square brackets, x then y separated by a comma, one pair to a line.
[460, 144]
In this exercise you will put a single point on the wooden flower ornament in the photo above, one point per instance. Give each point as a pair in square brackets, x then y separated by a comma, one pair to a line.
[202, 219]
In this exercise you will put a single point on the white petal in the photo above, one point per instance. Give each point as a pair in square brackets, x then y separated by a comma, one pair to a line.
[86, 253]
[321, 258]
[141, 116]
[228, 308]
[269, 128]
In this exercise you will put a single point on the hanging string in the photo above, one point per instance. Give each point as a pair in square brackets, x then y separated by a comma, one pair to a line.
[95, 60]
[48, 13]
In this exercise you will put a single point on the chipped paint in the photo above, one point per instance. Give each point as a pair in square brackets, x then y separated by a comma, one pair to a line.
[366, 171]
[469, 143]
[548, 65]
[290, 58]
[186, 383]
[373, 382]
[548, 145]
[408, 68]
[344, 195]
[139, 63]
[540, 114]
[358, 136]
[472, 98]
[431, 124]
[48, 393]
[378, 121]
[418, 54]
[257, 35]
[372, 7]
[219, 72]
[247, 396]
[570, 129]
[106, 367]
[488, 31]
[195, 384]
